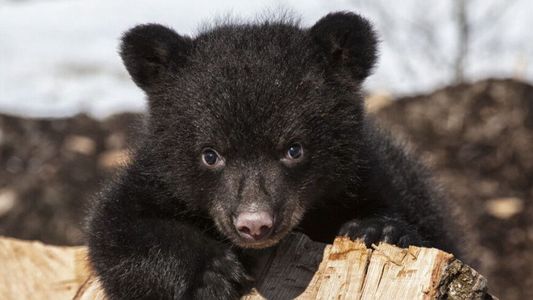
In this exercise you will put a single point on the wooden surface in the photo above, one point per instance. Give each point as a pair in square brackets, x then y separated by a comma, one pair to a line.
[297, 268]
[31, 270]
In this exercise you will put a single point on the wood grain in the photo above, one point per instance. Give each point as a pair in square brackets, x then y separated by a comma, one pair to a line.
[297, 268]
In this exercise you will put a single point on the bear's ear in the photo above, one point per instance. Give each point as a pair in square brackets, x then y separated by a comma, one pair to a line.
[150, 51]
[346, 40]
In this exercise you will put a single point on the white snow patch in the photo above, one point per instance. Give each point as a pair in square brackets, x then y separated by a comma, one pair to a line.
[59, 58]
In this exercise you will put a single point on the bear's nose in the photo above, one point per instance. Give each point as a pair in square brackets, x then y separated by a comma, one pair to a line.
[254, 225]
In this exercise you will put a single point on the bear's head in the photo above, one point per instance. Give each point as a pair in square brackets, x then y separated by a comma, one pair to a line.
[253, 124]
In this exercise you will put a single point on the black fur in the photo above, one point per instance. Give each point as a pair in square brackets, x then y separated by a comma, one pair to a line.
[164, 229]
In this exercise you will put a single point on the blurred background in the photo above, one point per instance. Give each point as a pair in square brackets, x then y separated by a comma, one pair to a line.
[454, 79]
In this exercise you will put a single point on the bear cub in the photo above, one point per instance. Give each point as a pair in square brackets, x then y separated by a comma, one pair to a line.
[254, 130]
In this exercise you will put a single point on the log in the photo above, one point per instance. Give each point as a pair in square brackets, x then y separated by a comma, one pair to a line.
[297, 268]
[32, 270]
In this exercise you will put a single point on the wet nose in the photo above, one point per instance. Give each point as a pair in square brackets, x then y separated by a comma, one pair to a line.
[254, 225]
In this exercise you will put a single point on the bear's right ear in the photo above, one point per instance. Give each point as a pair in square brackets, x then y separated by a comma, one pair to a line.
[150, 51]
[346, 41]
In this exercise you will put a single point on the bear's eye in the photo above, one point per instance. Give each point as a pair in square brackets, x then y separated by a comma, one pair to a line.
[295, 151]
[210, 157]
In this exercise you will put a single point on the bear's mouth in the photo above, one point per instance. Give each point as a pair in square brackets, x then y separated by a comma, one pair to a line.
[256, 244]
[278, 234]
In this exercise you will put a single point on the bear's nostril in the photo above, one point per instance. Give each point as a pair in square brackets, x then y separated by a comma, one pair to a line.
[264, 228]
[254, 225]
[244, 230]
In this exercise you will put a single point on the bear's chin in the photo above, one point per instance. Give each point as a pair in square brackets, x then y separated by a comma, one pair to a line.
[257, 245]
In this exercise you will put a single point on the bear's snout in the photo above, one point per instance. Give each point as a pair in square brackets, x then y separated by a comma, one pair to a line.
[254, 226]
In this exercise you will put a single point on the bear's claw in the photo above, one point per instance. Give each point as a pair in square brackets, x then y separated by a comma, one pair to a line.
[383, 229]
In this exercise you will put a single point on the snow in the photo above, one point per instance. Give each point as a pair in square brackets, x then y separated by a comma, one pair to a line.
[59, 58]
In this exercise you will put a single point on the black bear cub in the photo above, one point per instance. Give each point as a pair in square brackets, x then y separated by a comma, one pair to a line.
[254, 130]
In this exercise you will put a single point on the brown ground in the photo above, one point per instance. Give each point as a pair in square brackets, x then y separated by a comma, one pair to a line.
[478, 138]
[49, 169]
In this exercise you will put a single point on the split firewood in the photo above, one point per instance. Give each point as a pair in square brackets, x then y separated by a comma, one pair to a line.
[297, 268]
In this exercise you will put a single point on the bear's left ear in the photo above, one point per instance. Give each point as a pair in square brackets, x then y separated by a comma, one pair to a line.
[346, 40]
[150, 51]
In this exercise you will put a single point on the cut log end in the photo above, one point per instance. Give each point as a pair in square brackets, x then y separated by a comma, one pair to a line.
[297, 268]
